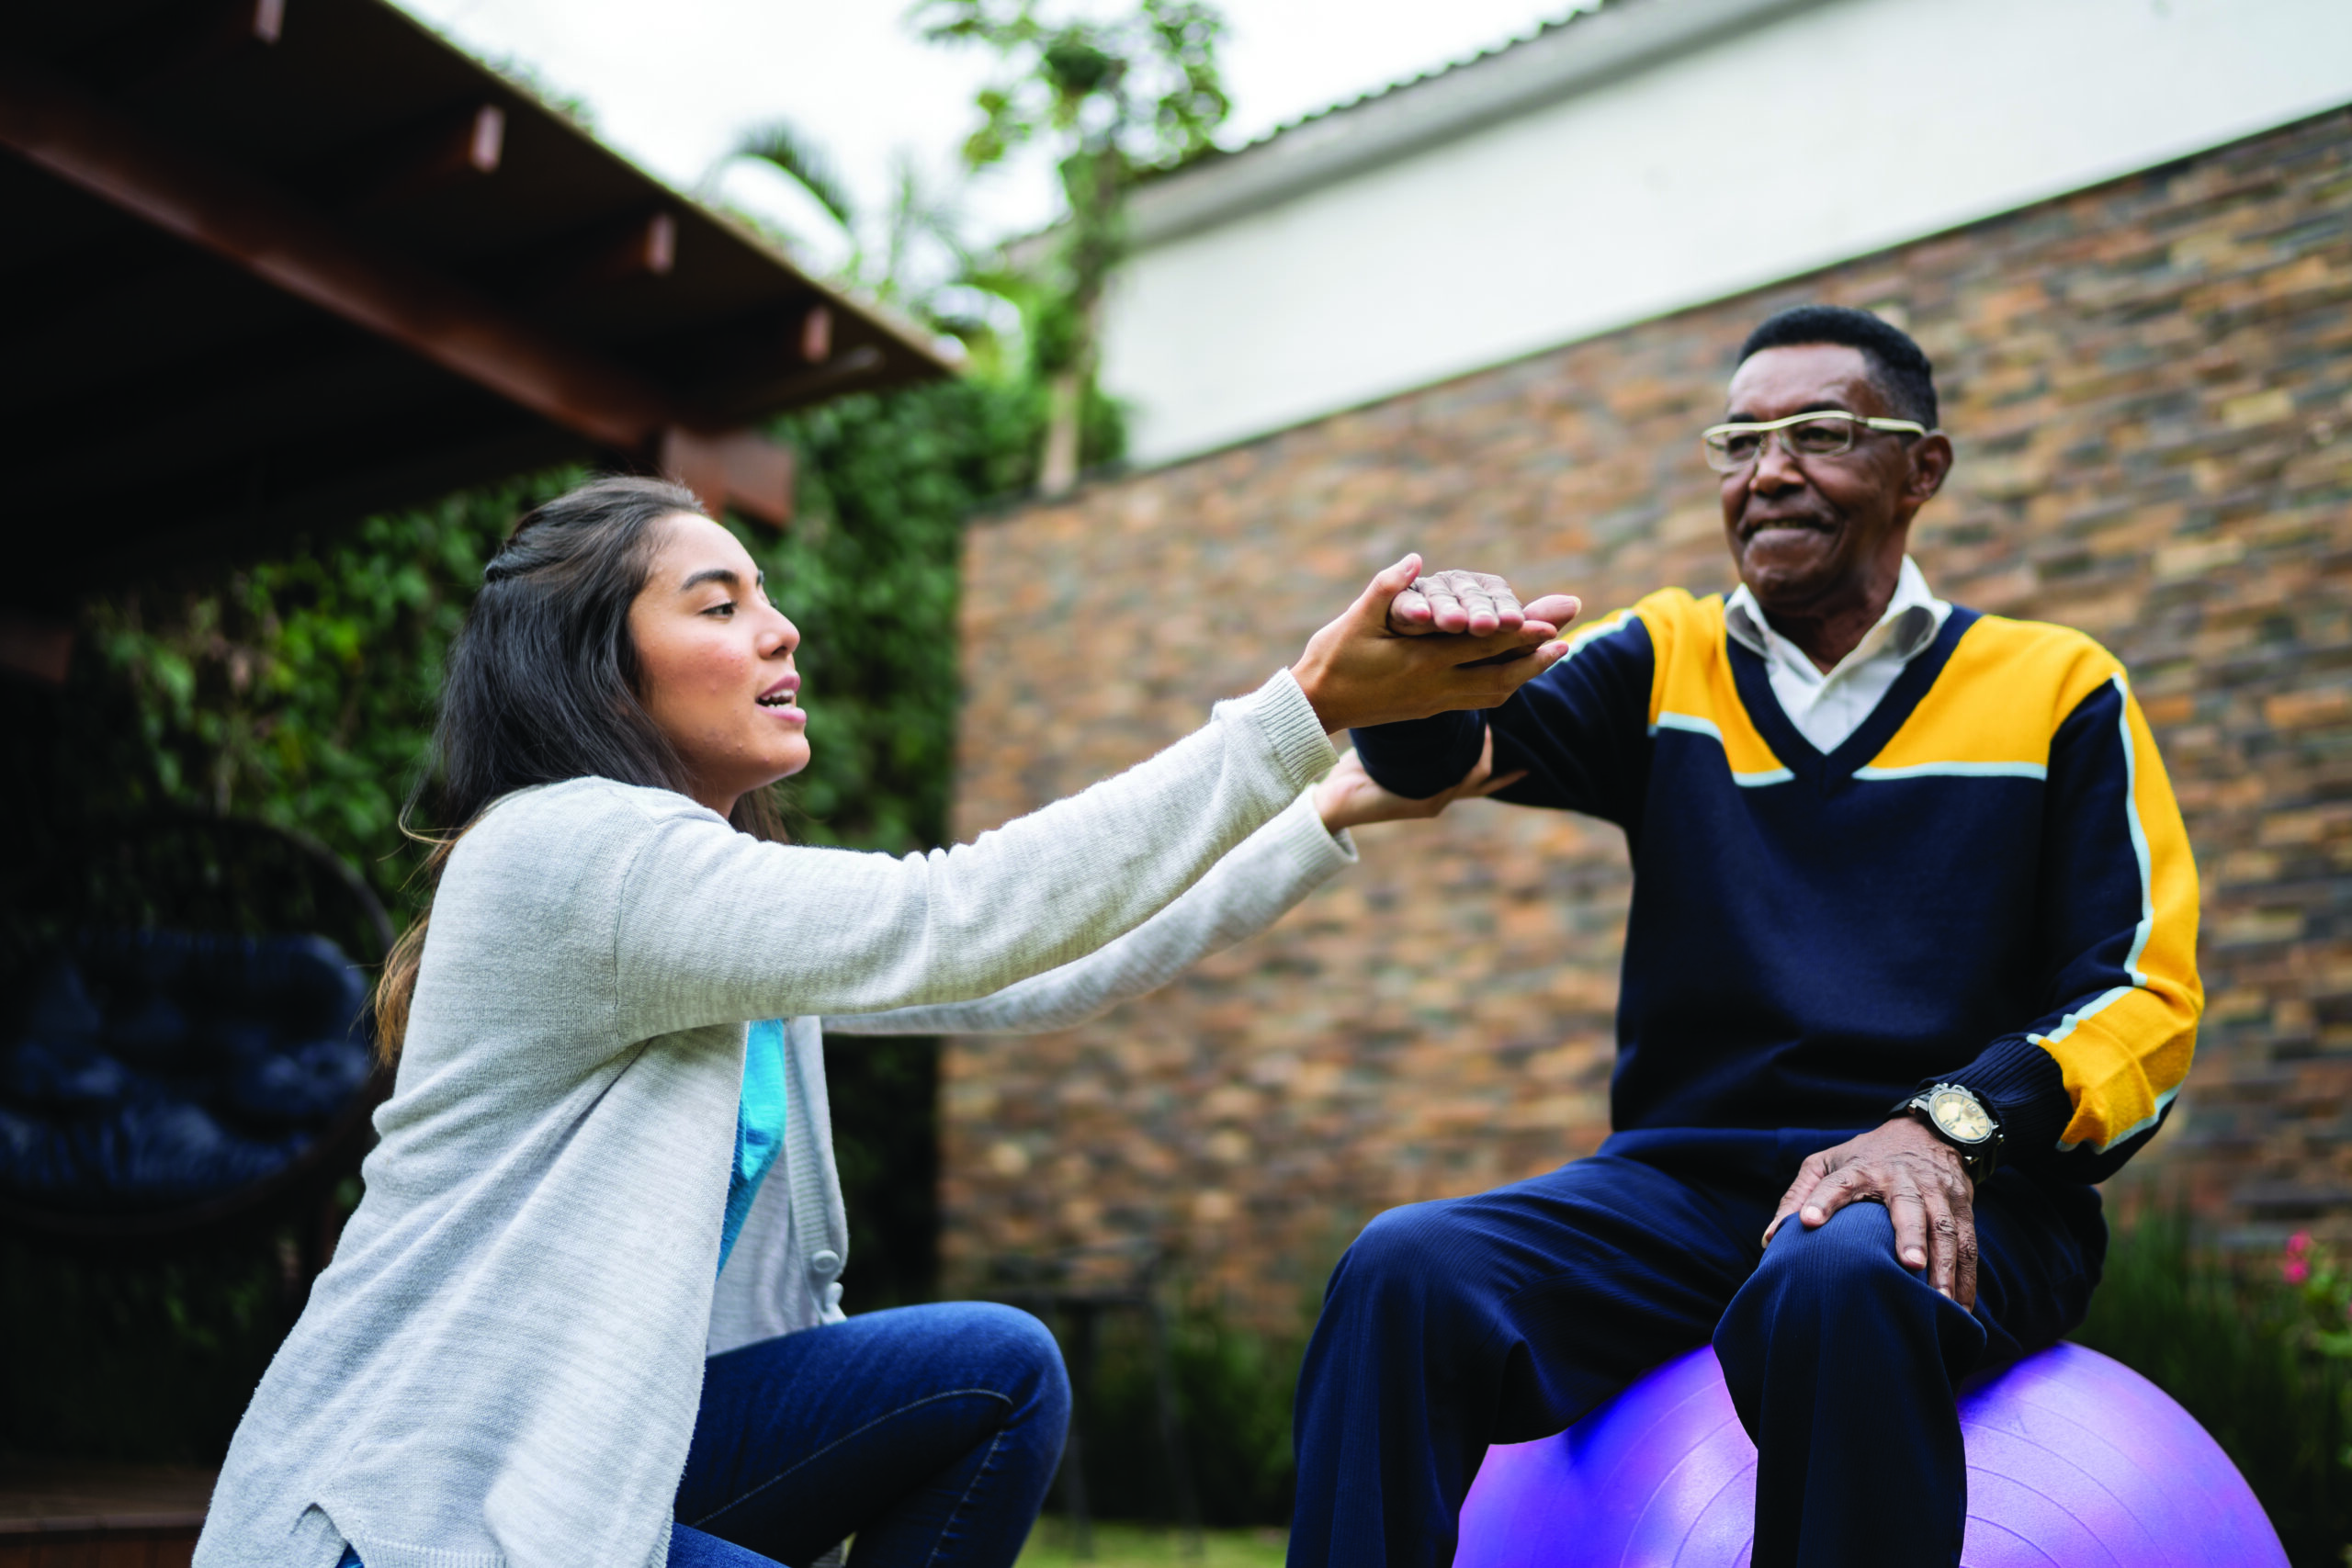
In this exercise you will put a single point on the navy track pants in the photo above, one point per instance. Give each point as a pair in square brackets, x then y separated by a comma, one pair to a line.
[1503, 1318]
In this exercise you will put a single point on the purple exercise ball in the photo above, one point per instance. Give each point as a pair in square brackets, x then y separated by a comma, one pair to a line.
[2073, 1461]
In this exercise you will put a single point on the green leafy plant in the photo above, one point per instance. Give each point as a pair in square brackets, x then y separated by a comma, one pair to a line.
[792, 150]
[1233, 1399]
[2319, 1283]
[908, 255]
[2322, 1285]
[2232, 1346]
[298, 688]
[1114, 100]
[133, 1358]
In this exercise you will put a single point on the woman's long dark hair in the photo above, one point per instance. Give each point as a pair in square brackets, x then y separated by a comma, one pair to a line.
[543, 684]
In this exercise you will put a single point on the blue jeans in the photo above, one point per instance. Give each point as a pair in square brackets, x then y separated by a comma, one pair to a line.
[931, 1433]
[1505, 1316]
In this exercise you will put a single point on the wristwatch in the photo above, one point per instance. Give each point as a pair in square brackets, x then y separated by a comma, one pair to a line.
[1960, 1118]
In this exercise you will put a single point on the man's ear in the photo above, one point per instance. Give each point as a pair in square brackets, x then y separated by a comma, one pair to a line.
[1931, 465]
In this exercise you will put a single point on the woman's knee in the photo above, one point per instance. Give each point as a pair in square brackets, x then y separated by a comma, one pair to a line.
[1010, 1352]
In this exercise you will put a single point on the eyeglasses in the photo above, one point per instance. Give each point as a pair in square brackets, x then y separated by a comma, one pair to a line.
[1824, 432]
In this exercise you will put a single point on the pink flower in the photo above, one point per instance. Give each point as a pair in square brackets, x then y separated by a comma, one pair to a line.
[2296, 1270]
[2299, 1244]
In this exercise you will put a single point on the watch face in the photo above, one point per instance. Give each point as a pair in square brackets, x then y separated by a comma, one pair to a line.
[1959, 1116]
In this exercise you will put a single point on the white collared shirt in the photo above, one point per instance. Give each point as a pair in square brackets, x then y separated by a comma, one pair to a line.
[1827, 708]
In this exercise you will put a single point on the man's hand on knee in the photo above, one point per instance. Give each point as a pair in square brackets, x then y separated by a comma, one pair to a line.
[1925, 1191]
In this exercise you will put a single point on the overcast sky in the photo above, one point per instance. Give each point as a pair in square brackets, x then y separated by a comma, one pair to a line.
[673, 82]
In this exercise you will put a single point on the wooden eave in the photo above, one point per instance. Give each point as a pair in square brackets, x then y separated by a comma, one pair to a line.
[277, 263]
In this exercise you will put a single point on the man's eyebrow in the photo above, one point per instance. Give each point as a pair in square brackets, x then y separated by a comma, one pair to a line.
[1735, 417]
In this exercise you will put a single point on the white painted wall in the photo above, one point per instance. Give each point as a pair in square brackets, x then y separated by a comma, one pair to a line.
[1828, 133]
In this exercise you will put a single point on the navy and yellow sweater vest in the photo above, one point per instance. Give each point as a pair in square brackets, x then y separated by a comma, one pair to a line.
[1989, 882]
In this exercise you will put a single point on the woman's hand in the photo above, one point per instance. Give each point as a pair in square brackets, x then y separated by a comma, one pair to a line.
[1348, 799]
[1361, 670]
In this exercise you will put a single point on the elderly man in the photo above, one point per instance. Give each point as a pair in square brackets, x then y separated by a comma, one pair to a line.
[1910, 963]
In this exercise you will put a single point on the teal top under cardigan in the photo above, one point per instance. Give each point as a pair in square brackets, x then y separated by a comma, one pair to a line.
[759, 1128]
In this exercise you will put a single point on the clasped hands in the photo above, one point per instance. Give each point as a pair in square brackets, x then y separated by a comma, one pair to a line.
[1412, 646]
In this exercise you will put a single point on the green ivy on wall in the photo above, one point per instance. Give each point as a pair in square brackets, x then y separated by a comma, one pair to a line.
[299, 689]
[869, 573]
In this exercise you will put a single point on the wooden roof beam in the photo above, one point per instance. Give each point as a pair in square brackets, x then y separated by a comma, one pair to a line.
[443, 153]
[75, 137]
[192, 39]
[59, 128]
[35, 646]
[741, 466]
[643, 247]
[817, 334]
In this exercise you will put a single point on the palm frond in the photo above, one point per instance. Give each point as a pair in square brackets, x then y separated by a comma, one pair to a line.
[785, 146]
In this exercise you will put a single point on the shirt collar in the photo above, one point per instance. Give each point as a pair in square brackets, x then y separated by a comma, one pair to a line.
[1913, 616]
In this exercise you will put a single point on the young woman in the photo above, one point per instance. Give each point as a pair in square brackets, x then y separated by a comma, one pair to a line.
[560, 1328]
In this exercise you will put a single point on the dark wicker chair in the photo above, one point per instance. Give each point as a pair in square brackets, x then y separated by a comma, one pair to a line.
[176, 913]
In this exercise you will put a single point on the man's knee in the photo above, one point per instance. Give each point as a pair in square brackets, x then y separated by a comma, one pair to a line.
[1838, 1296]
[1845, 1271]
[1833, 1284]
[1408, 1253]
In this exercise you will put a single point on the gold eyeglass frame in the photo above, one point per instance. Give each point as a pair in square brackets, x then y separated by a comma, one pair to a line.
[1765, 429]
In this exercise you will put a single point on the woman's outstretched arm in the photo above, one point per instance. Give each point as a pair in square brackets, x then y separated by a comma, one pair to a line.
[713, 927]
[1242, 894]
[673, 920]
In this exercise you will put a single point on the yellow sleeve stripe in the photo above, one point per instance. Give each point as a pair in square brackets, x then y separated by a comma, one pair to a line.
[2139, 830]
[2114, 1055]
[2125, 1055]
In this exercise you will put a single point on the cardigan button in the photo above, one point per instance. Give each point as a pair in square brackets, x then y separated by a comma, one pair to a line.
[825, 1264]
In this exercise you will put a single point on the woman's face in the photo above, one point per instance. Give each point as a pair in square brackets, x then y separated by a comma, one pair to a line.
[715, 659]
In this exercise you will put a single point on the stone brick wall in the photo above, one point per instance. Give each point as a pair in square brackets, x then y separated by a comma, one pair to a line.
[2150, 386]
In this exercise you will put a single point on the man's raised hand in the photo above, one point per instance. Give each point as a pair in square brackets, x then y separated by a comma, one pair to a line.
[1478, 603]
[1362, 671]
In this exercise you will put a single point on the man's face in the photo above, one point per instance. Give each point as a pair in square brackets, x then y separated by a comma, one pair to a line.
[1809, 533]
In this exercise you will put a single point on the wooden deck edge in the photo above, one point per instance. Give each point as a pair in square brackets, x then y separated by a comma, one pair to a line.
[102, 1524]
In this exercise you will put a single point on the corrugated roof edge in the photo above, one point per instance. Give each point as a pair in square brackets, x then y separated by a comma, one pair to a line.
[1371, 95]
[1024, 249]
[1561, 58]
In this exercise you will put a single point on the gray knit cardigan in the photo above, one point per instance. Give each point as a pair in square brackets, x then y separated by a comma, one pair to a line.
[501, 1366]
